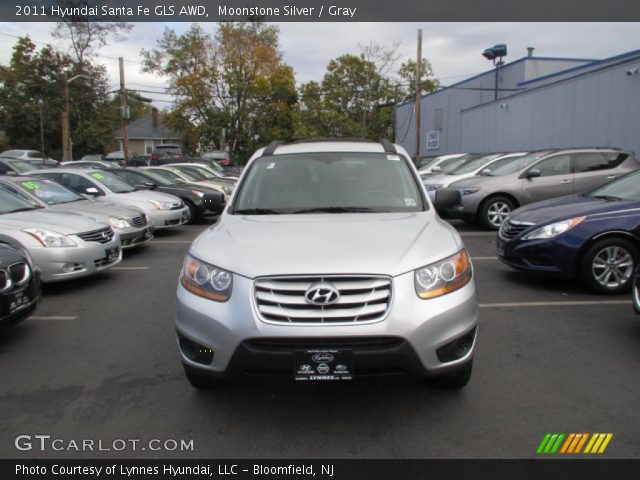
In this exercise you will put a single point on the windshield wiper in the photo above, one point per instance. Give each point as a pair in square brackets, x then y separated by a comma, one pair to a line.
[607, 197]
[257, 211]
[339, 210]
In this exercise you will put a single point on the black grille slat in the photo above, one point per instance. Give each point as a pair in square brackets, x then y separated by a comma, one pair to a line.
[139, 221]
[354, 343]
[103, 235]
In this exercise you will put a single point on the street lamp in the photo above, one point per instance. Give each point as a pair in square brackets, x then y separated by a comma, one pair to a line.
[497, 52]
[66, 140]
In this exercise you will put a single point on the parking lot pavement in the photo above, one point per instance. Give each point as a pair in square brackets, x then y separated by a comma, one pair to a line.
[99, 361]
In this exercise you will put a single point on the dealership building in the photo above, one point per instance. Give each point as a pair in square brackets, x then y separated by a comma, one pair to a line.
[542, 102]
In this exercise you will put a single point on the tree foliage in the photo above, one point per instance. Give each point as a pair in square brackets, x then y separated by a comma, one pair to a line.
[33, 81]
[229, 80]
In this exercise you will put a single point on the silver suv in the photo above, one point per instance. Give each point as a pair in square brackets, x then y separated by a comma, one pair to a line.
[331, 262]
[489, 199]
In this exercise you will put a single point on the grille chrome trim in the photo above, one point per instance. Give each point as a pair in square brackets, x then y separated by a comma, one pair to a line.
[139, 221]
[103, 235]
[511, 229]
[363, 299]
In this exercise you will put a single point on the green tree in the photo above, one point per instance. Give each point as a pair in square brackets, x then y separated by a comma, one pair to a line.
[33, 81]
[407, 73]
[228, 80]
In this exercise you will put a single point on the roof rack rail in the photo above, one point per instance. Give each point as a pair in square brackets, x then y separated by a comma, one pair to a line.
[388, 146]
[271, 148]
[313, 140]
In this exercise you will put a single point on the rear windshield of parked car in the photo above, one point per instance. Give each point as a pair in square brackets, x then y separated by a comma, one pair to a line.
[329, 182]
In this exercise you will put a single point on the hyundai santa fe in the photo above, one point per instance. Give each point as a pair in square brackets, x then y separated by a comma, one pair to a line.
[329, 263]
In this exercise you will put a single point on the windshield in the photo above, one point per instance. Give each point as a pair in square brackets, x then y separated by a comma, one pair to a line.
[147, 176]
[188, 174]
[165, 174]
[624, 188]
[10, 202]
[513, 165]
[49, 192]
[328, 183]
[451, 164]
[202, 171]
[11, 153]
[473, 165]
[22, 167]
[112, 182]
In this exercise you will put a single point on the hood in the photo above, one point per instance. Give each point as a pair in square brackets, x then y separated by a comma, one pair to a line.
[384, 243]
[562, 208]
[101, 211]
[146, 195]
[434, 179]
[66, 223]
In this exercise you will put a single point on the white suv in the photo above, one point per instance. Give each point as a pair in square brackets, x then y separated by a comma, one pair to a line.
[331, 262]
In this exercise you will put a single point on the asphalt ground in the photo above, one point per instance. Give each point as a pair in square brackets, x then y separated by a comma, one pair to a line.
[99, 360]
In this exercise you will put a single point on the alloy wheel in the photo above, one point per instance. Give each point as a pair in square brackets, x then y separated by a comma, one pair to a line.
[498, 212]
[612, 267]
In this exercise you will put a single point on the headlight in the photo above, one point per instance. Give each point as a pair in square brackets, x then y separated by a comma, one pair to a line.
[432, 186]
[118, 222]
[50, 239]
[469, 190]
[161, 205]
[553, 229]
[444, 276]
[205, 280]
[198, 193]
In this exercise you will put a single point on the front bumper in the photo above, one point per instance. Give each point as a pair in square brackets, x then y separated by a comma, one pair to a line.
[133, 237]
[468, 209]
[168, 218]
[66, 263]
[10, 313]
[551, 257]
[408, 339]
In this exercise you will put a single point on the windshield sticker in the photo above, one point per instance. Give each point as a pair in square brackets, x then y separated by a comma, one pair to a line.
[97, 175]
[30, 185]
[395, 158]
[410, 202]
[271, 166]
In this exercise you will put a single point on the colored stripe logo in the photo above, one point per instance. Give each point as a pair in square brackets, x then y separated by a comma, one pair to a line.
[573, 443]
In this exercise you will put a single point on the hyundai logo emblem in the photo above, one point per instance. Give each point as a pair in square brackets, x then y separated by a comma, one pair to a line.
[322, 293]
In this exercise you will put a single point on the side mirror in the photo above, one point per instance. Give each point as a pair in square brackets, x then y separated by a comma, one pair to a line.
[447, 198]
[486, 171]
[92, 191]
[437, 168]
[214, 202]
[533, 173]
[150, 185]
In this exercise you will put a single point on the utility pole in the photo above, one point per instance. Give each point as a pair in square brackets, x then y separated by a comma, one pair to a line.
[65, 121]
[124, 113]
[44, 155]
[418, 92]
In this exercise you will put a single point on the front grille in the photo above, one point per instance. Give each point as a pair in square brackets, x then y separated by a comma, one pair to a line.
[19, 273]
[16, 274]
[510, 229]
[104, 235]
[139, 221]
[308, 343]
[361, 299]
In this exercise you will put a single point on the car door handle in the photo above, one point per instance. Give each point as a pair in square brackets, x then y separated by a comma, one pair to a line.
[564, 182]
[611, 176]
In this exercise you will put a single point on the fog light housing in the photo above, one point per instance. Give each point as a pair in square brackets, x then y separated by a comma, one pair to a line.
[194, 351]
[70, 267]
[457, 348]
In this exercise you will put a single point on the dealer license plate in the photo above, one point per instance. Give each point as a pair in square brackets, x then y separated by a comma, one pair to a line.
[112, 254]
[322, 364]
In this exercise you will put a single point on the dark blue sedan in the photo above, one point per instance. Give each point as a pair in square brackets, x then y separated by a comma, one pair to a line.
[594, 236]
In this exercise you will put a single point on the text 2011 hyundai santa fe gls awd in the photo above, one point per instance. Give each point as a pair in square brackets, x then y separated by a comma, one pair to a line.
[329, 263]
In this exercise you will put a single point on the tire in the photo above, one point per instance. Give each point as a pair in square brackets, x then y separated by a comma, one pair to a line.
[608, 265]
[193, 213]
[201, 381]
[494, 211]
[636, 291]
[455, 380]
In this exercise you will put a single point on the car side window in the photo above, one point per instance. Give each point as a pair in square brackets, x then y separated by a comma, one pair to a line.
[78, 183]
[34, 155]
[3, 169]
[557, 165]
[589, 162]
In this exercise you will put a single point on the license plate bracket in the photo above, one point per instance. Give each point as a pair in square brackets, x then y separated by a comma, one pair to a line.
[323, 364]
[18, 300]
[112, 254]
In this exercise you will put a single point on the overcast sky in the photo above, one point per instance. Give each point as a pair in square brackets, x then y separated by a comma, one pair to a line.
[454, 49]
